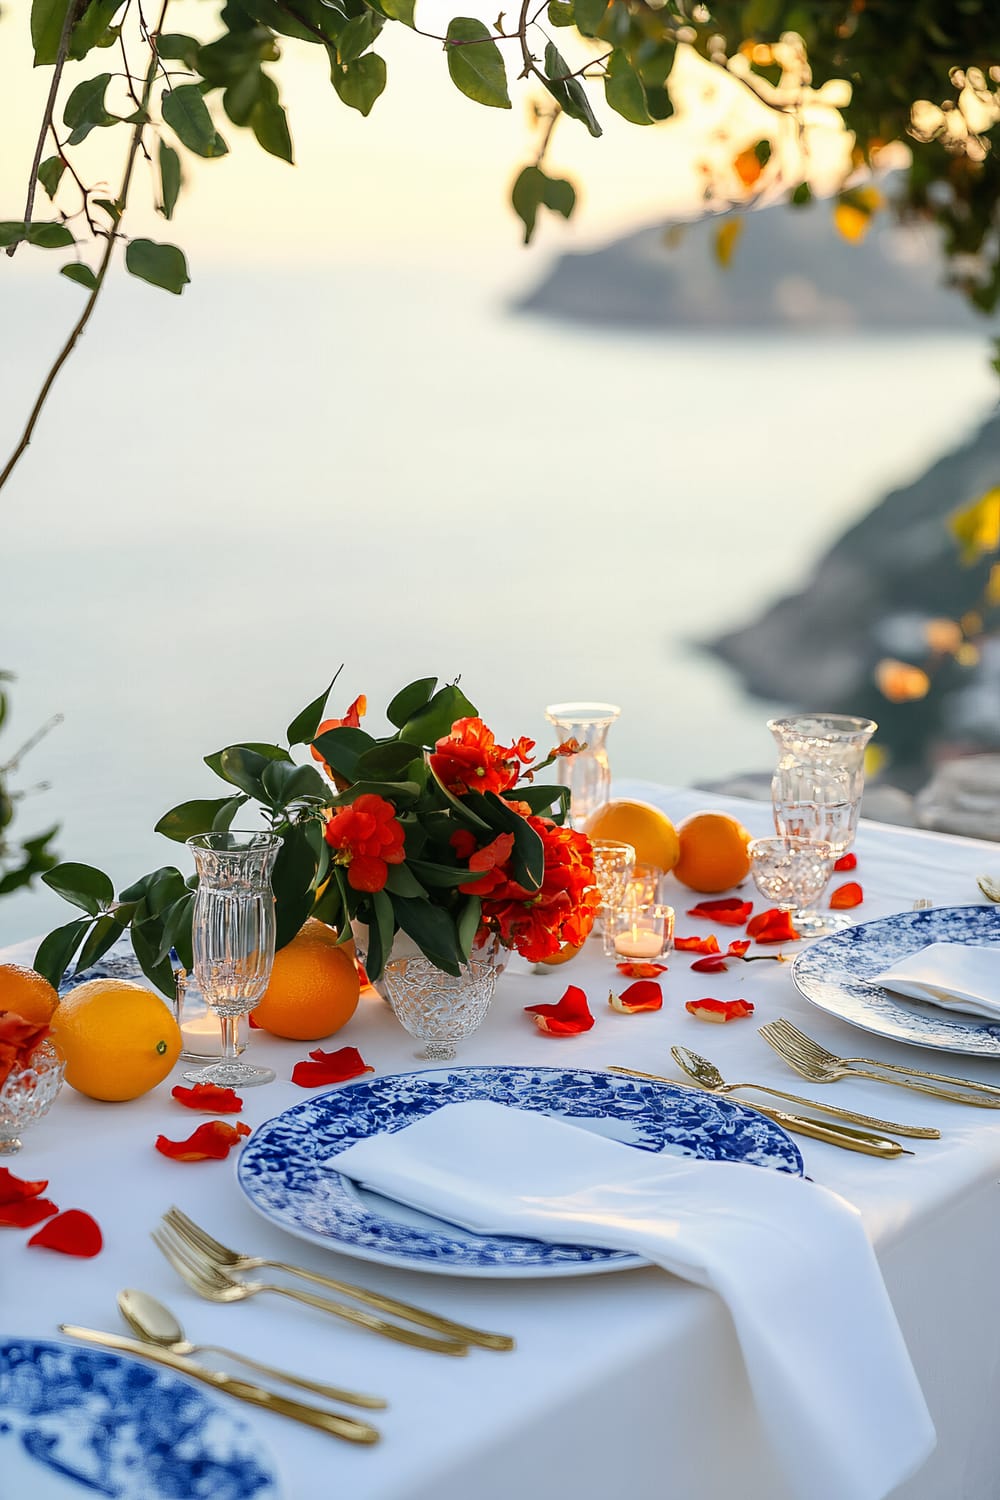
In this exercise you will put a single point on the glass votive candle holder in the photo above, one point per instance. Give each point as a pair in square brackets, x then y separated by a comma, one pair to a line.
[643, 885]
[201, 1035]
[613, 866]
[635, 931]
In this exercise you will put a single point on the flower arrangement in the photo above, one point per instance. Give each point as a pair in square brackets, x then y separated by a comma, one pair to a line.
[434, 830]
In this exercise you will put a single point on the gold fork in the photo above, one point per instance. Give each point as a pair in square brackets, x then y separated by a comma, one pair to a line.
[216, 1285]
[812, 1061]
[228, 1259]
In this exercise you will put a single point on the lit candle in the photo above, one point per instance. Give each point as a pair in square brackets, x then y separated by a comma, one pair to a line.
[639, 943]
[201, 1033]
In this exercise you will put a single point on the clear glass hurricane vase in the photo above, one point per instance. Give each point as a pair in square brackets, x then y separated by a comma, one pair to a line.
[588, 772]
[233, 930]
[820, 777]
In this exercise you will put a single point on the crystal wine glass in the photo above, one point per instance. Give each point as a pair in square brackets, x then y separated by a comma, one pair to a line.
[792, 873]
[817, 785]
[233, 929]
[438, 1009]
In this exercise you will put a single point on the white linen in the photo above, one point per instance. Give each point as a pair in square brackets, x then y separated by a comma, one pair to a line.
[831, 1376]
[956, 976]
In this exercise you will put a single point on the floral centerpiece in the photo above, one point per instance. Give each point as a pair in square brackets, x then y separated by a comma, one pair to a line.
[434, 830]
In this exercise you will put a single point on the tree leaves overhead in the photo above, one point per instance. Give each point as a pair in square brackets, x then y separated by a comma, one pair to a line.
[533, 189]
[160, 265]
[359, 84]
[49, 174]
[476, 64]
[79, 273]
[170, 179]
[624, 90]
[85, 109]
[567, 91]
[185, 111]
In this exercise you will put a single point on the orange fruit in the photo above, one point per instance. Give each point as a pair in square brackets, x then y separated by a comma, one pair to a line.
[713, 852]
[27, 993]
[566, 952]
[118, 1038]
[314, 987]
[645, 827]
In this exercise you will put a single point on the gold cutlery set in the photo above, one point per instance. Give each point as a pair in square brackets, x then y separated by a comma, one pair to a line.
[211, 1269]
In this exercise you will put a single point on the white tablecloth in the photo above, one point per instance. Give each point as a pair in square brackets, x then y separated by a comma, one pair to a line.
[628, 1384]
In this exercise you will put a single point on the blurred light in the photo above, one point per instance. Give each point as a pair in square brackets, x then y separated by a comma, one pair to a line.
[900, 681]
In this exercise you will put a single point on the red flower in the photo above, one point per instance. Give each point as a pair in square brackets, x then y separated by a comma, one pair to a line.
[568, 1017]
[847, 862]
[639, 969]
[708, 944]
[846, 896]
[329, 1067]
[645, 994]
[27, 1212]
[538, 923]
[568, 747]
[773, 926]
[351, 720]
[468, 759]
[730, 911]
[16, 1189]
[719, 1010]
[368, 838]
[209, 1097]
[71, 1233]
[489, 864]
[212, 1141]
[18, 1040]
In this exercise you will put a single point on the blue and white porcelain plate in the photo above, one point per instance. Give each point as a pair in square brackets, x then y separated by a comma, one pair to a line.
[282, 1172]
[80, 1422]
[836, 973]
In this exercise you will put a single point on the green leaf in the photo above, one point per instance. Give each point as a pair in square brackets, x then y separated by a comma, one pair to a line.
[167, 879]
[802, 195]
[431, 929]
[624, 91]
[359, 84]
[401, 793]
[12, 232]
[534, 188]
[284, 783]
[401, 881]
[588, 15]
[55, 951]
[528, 856]
[177, 933]
[568, 92]
[160, 265]
[185, 111]
[385, 920]
[103, 935]
[90, 28]
[223, 819]
[560, 13]
[147, 939]
[467, 925]
[176, 46]
[292, 882]
[49, 174]
[387, 760]
[434, 720]
[49, 236]
[170, 179]
[270, 126]
[243, 95]
[83, 885]
[189, 818]
[541, 798]
[409, 699]
[398, 10]
[445, 877]
[85, 110]
[358, 35]
[47, 17]
[476, 64]
[342, 747]
[112, 209]
[303, 727]
[244, 768]
[268, 752]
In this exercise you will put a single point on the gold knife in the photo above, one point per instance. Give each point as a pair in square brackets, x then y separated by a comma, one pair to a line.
[821, 1130]
[257, 1395]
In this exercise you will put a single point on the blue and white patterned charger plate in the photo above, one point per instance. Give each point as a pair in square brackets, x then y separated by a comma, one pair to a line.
[836, 973]
[77, 1422]
[282, 1172]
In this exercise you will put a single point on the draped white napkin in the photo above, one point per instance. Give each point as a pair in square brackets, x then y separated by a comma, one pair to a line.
[955, 976]
[831, 1376]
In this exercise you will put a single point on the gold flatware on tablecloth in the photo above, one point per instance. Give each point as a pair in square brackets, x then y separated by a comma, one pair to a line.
[989, 887]
[337, 1425]
[821, 1130]
[819, 1065]
[216, 1285]
[156, 1324]
[708, 1076]
[233, 1260]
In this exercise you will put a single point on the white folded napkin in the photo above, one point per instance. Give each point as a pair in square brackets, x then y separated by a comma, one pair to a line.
[831, 1376]
[953, 975]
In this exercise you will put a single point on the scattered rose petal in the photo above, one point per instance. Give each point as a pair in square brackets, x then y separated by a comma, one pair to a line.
[14, 1189]
[719, 1011]
[210, 1097]
[713, 964]
[737, 948]
[568, 1017]
[27, 1211]
[329, 1067]
[363, 979]
[847, 862]
[645, 994]
[846, 896]
[212, 1141]
[708, 944]
[638, 969]
[71, 1233]
[773, 926]
[254, 1025]
[729, 910]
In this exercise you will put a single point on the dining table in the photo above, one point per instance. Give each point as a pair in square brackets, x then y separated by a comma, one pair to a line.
[626, 1383]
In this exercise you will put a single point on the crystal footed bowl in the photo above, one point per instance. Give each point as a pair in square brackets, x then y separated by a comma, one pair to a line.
[27, 1094]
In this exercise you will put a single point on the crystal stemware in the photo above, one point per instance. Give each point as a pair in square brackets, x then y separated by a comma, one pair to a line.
[27, 1094]
[792, 873]
[233, 930]
[438, 1009]
[817, 785]
[614, 863]
[587, 773]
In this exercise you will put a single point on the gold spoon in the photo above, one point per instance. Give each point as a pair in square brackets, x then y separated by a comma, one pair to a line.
[989, 888]
[156, 1324]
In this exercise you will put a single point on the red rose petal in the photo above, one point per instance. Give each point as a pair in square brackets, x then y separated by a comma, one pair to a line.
[27, 1211]
[847, 862]
[14, 1189]
[71, 1233]
[645, 994]
[330, 1067]
[713, 964]
[846, 896]
[208, 1096]
[641, 970]
[737, 948]
[708, 944]
[730, 911]
[773, 926]
[568, 1017]
[254, 1025]
[719, 1011]
[212, 1141]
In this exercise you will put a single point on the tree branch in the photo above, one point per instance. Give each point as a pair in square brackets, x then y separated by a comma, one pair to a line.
[72, 11]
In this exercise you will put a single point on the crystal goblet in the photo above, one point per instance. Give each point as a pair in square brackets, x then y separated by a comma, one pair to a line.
[614, 863]
[792, 873]
[27, 1094]
[438, 1009]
